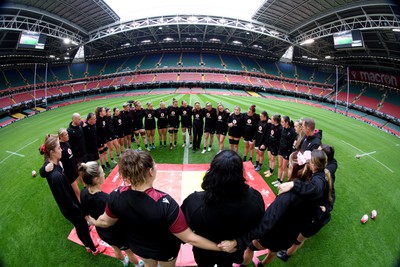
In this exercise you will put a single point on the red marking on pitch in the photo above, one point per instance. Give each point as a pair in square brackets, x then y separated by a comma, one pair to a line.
[169, 180]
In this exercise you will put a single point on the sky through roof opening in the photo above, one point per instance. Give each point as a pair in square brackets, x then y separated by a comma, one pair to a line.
[129, 10]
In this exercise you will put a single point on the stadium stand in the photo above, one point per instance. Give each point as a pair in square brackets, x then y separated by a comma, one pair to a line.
[150, 61]
[232, 62]
[169, 60]
[250, 64]
[212, 61]
[287, 70]
[191, 60]
[269, 67]
[78, 70]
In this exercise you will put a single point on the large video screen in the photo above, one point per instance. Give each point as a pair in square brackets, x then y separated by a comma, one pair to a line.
[348, 39]
[31, 40]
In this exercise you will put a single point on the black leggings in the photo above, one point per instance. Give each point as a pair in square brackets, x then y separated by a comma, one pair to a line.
[82, 230]
[197, 135]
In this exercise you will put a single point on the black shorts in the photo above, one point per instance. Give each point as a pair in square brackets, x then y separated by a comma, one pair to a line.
[120, 135]
[315, 226]
[127, 132]
[221, 132]
[248, 139]
[259, 148]
[176, 126]
[149, 128]
[285, 153]
[209, 130]
[138, 129]
[111, 138]
[273, 150]
[93, 157]
[186, 124]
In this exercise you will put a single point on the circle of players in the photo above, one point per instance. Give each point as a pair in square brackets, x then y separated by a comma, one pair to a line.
[103, 133]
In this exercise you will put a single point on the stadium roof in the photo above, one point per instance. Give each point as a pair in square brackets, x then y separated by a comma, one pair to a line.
[271, 29]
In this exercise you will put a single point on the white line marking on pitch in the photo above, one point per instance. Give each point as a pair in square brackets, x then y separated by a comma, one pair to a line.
[186, 152]
[366, 154]
[18, 150]
[16, 154]
[369, 156]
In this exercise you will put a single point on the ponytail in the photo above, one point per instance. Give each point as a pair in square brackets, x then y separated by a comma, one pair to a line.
[89, 171]
[328, 179]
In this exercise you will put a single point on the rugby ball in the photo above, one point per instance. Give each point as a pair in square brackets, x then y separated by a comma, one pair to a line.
[33, 173]
[358, 156]
[373, 214]
[364, 218]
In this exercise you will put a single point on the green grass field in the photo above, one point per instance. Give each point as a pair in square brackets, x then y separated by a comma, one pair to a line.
[34, 233]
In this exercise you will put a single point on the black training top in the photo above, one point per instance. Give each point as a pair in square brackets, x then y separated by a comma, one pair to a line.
[173, 116]
[186, 114]
[77, 140]
[222, 221]
[198, 118]
[153, 216]
[250, 125]
[64, 194]
[94, 205]
[261, 136]
[161, 115]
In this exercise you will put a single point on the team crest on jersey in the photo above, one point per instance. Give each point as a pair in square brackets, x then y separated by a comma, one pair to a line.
[234, 121]
[248, 121]
[272, 132]
[149, 115]
[184, 112]
[69, 151]
[104, 123]
[208, 115]
[260, 128]
[119, 121]
[220, 117]
[165, 200]
[162, 115]
[197, 115]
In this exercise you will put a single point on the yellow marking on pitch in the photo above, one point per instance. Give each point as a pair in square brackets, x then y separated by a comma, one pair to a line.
[191, 181]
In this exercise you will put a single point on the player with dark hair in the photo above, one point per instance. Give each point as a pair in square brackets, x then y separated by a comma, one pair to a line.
[235, 124]
[273, 144]
[150, 124]
[226, 208]
[138, 128]
[94, 203]
[90, 133]
[63, 194]
[281, 223]
[221, 128]
[118, 128]
[288, 138]
[154, 220]
[112, 141]
[101, 126]
[185, 111]
[210, 116]
[162, 123]
[198, 124]
[77, 139]
[173, 123]
[261, 139]
[312, 137]
[251, 120]
[127, 120]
